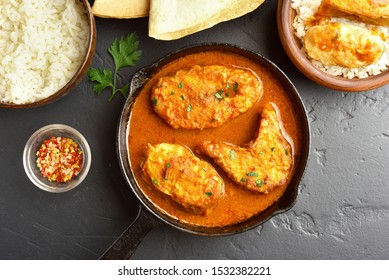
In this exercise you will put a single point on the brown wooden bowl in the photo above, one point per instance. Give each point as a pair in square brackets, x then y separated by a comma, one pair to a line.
[78, 76]
[292, 46]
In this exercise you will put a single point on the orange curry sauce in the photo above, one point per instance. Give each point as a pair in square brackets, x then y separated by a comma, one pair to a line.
[238, 204]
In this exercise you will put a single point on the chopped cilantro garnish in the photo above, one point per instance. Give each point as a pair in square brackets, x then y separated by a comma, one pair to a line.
[252, 174]
[218, 95]
[189, 108]
[172, 93]
[182, 97]
[155, 182]
[243, 180]
[272, 149]
[155, 101]
[236, 86]
[168, 165]
[232, 155]
[180, 85]
[258, 183]
[286, 152]
[208, 194]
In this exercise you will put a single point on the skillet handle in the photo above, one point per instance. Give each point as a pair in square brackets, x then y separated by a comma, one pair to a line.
[128, 241]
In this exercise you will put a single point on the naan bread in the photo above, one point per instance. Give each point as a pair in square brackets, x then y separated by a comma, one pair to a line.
[121, 9]
[169, 20]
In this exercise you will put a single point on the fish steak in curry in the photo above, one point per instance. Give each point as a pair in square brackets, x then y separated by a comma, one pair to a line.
[205, 96]
[174, 170]
[262, 164]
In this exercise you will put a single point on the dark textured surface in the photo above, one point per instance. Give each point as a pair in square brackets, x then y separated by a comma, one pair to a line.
[342, 211]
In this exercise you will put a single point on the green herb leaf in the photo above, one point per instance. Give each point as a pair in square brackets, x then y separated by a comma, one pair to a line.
[172, 93]
[154, 101]
[155, 182]
[252, 174]
[180, 85]
[243, 180]
[189, 108]
[208, 194]
[218, 95]
[124, 90]
[125, 53]
[232, 155]
[182, 97]
[168, 165]
[258, 183]
[272, 149]
[236, 86]
[102, 77]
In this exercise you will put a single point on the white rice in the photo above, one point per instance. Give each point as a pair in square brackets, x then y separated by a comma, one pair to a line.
[305, 10]
[42, 45]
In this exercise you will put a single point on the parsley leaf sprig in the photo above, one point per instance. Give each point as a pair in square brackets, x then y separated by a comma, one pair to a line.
[125, 53]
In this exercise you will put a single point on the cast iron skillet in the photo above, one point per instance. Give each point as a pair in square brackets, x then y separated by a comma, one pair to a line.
[148, 215]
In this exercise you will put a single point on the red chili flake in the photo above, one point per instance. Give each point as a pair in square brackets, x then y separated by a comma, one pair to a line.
[59, 159]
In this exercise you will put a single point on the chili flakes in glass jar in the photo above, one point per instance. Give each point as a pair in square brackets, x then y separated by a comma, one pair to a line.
[59, 159]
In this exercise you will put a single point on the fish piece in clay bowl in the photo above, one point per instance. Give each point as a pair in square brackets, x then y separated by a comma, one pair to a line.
[354, 54]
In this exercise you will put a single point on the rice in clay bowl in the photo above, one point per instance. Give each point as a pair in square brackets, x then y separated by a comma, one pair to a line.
[46, 48]
[290, 21]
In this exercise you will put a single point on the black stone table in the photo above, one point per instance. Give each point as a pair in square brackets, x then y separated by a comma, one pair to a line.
[342, 211]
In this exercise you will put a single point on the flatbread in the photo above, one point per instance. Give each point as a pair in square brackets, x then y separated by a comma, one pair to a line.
[173, 19]
[121, 8]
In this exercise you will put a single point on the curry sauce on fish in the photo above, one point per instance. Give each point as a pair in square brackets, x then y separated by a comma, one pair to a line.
[262, 164]
[205, 96]
[177, 172]
[233, 203]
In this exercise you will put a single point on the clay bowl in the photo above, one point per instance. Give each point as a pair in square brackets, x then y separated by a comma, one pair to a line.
[292, 46]
[80, 73]
[150, 215]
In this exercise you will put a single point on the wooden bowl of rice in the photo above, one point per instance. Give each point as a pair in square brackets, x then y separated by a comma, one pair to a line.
[294, 49]
[46, 48]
